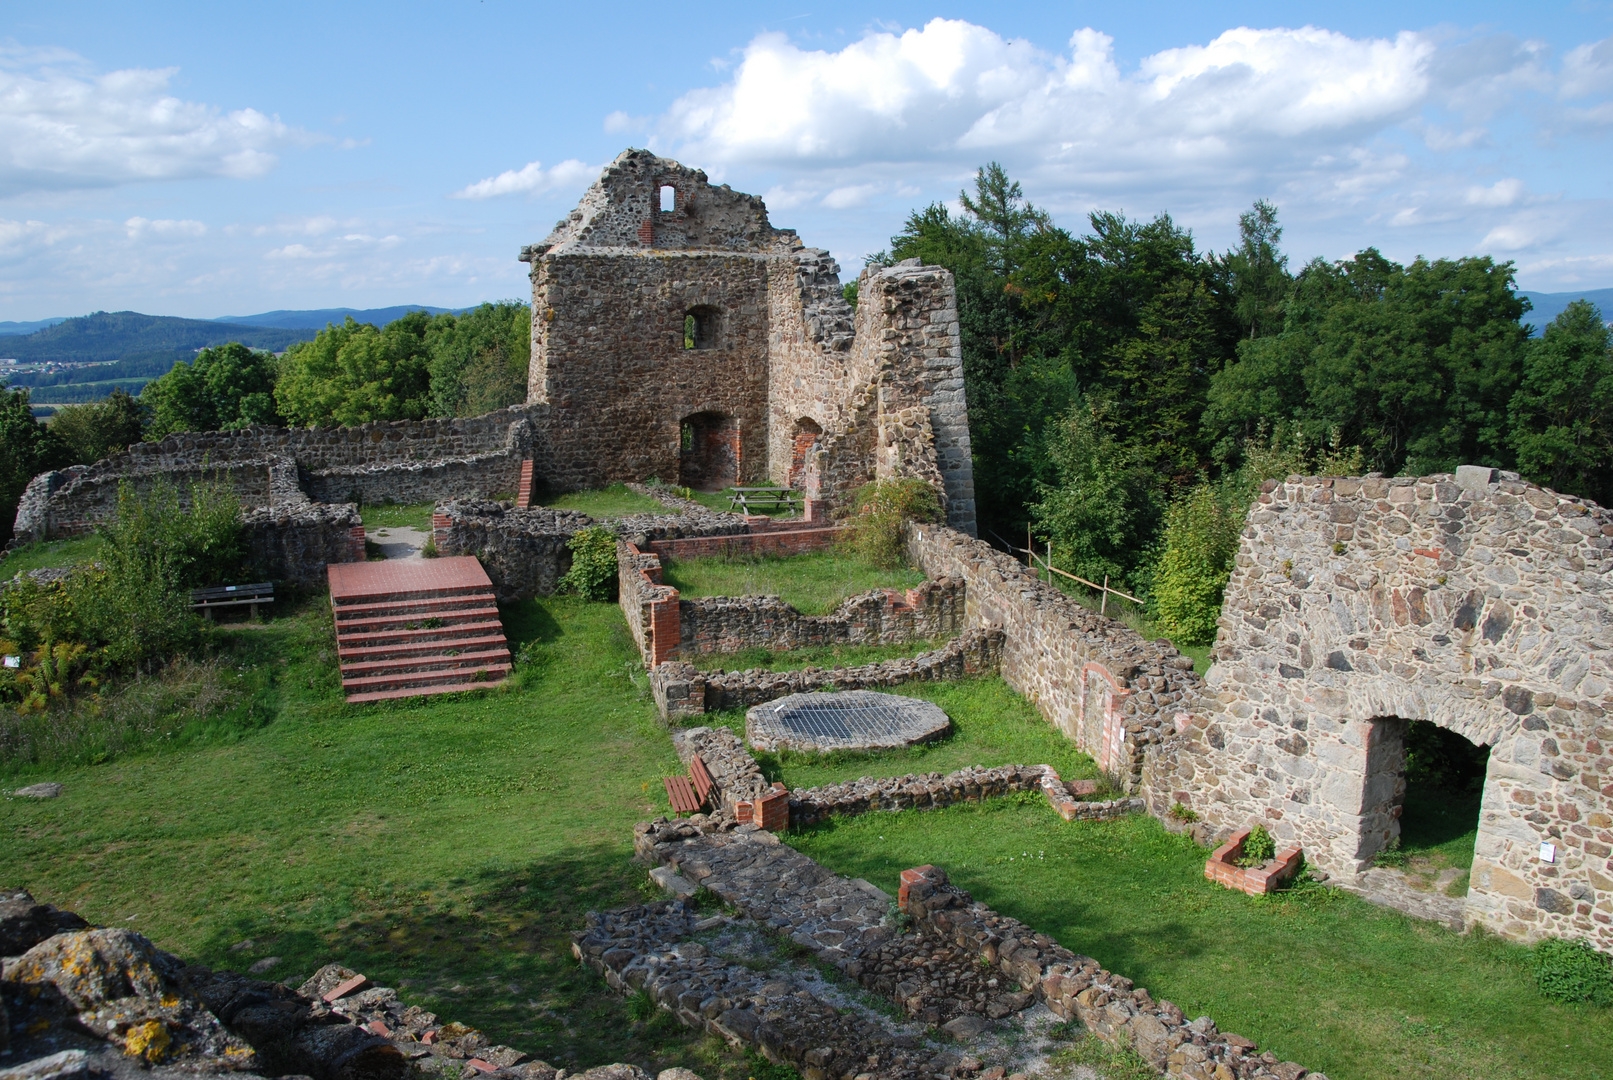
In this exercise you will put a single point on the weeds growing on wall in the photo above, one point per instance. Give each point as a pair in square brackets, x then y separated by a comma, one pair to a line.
[1573, 971]
[593, 564]
[880, 511]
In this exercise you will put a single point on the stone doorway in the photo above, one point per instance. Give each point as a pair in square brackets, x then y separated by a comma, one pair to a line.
[708, 451]
[805, 440]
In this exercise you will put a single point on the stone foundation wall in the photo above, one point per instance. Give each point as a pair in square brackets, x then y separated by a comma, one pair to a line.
[295, 545]
[1105, 686]
[721, 624]
[749, 544]
[1474, 601]
[682, 690]
[524, 551]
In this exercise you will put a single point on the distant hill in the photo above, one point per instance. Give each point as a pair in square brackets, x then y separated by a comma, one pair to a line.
[316, 318]
[9, 328]
[1549, 305]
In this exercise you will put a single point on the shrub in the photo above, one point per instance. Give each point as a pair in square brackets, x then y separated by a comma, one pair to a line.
[1573, 971]
[593, 564]
[1258, 848]
[1201, 538]
[1179, 812]
[881, 511]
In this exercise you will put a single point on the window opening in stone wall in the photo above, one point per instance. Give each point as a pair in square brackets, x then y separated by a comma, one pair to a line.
[700, 328]
[1435, 779]
[669, 199]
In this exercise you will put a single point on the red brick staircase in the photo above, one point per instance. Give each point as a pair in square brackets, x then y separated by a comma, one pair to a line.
[411, 627]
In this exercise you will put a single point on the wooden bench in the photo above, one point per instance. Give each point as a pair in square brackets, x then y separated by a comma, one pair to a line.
[688, 794]
[764, 498]
[221, 596]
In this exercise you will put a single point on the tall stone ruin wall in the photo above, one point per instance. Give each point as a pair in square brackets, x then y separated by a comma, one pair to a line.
[1477, 602]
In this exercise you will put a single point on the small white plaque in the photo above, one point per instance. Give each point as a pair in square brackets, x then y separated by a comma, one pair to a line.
[1548, 853]
[13, 661]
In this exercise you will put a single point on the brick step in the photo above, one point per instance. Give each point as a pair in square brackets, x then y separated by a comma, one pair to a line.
[436, 661]
[348, 612]
[372, 638]
[383, 623]
[419, 691]
[385, 596]
[403, 649]
[424, 678]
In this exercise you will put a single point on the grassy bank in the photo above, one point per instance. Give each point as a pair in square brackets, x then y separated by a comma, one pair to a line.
[612, 502]
[814, 583]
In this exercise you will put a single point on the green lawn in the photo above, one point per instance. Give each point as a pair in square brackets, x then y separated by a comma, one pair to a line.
[50, 553]
[398, 516]
[991, 725]
[446, 847]
[826, 656]
[722, 500]
[815, 583]
[1318, 977]
[613, 502]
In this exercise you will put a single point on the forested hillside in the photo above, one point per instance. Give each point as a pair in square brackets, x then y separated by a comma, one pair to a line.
[107, 337]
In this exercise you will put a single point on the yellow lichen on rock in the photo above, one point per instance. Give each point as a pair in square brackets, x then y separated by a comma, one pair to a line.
[149, 1041]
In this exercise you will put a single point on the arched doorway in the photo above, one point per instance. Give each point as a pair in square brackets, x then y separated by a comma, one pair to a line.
[708, 451]
[1422, 802]
[805, 440]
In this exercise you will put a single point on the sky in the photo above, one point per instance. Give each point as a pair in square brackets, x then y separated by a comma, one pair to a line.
[215, 159]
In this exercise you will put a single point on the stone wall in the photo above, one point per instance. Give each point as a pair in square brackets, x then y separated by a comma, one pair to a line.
[524, 551]
[722, 624]
[1101, 683]
[1473, 601]
[295, 544]
[682, 690]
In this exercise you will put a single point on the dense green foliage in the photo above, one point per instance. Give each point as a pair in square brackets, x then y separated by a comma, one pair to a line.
[1573, 971]
[1199, 541]
[231, 386]
[98, 429]
[479, 360]
[593, 564]
[1562, 414]
[879, 513]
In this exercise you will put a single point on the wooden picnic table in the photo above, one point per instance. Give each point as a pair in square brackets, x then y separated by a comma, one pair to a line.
[764, 498]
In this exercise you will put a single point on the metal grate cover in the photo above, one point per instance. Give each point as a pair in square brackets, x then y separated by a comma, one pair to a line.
[844, 720]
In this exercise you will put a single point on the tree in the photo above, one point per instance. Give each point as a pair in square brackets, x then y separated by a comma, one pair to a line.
[479, 360]
[1415, 364]
[228, 386]
[27, 448]
[356, 373]
[99, 429]
[1257, 272]
[1562, 414]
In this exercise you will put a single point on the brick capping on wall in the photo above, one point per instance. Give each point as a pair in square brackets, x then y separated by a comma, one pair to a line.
[1222, 867]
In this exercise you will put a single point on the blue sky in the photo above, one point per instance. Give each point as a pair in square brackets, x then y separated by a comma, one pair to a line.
[208, 159]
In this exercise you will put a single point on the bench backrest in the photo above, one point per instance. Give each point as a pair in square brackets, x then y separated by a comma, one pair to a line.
[701, 778]
[233, 592]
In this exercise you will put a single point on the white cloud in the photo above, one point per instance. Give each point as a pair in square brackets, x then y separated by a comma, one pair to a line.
[63, 126]
[842, 198]
[139, 227]
[531, 179]
[1501, 193]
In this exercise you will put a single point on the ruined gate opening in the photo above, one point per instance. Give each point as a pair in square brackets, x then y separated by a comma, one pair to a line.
[1424, 789]
[708, 451]
[805, 440]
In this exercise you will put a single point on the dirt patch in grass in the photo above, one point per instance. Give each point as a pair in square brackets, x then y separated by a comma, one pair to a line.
[814, 583]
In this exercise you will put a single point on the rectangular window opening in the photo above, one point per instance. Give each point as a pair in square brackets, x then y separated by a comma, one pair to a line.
[669, 199]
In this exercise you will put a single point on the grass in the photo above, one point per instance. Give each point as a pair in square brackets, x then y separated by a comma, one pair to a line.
[814, 583]
[1438, 829]
[991, 725]
[446, 846]
[398, 516]
[721, 500]
[612, 502]
[827, 656]
[1316, 976]
[49, 554]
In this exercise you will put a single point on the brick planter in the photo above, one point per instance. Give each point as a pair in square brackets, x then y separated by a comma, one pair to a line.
[1223, 867]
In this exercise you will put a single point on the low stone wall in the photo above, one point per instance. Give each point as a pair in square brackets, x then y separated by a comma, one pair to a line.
[768, 542]
[1111, 1007]
[735, 776]
[1104, 685]
[915, 791]
[682, 690]
[486, 476]
[295, 545]
[720, 624]
[524, 551]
